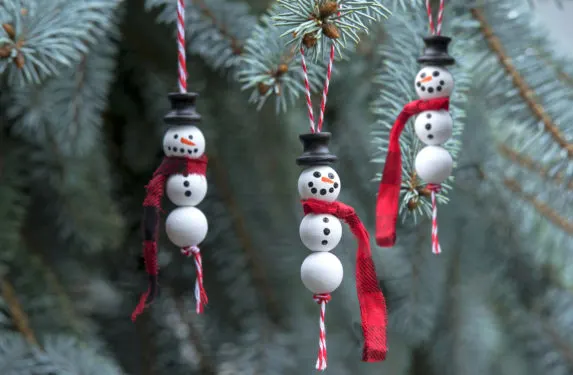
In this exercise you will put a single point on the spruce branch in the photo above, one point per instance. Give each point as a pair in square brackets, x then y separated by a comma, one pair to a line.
[398, 57]
[17, 313]
[258, 270]
[216, 30]
[543, 55]
[540, 206]
[41, 38]
[525, 91]
[530, 164]
[317, 23]
[270, 67]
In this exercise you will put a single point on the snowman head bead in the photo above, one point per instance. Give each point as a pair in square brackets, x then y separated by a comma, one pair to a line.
[434, 82]
[184, 141]
[320, 182]
[433, 164]
[434, 127]
[186, 190]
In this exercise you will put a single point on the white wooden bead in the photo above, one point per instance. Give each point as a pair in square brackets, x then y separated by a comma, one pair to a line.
[433, 164]
[186, 190]
[184, 141]
[434, 82]
[186, 226]
[320, 232]
[321, 182]
[321, 272]
[434, 127]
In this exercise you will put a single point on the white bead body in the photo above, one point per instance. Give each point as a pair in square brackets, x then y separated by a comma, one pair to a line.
[433, 164]
[186, 226]
[184, 141]
[321, 272]
[321, 182]
[186, 190]
[320, 232]
[434, 127]
[434, 82]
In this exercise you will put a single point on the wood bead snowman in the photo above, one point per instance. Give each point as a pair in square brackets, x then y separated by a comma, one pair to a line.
[321, 231]
[433, 126]
[181, 176]
[434, 164]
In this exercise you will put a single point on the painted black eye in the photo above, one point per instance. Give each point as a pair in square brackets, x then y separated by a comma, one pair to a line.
[436, 73]
[422, 75]
[175, 136]
[331, 175]
[190, 136]
[316, 174]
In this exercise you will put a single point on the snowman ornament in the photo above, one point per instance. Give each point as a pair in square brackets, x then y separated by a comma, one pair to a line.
[433, 164]
[320, 232]
[181, 176]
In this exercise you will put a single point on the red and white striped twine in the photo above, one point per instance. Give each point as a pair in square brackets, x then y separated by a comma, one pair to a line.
[436, 248]
[200, 294]
[433, 30]
[322, 300]
[318, 127]
[181, 46]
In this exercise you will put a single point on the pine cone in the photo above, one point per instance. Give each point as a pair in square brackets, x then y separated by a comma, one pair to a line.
[327, 9]
[9, 30]
[263, 88]
[20, 60]
[412, 204]
[282, 69]
[309, 40]
[424, 192]
[5, 51]
[330, 31]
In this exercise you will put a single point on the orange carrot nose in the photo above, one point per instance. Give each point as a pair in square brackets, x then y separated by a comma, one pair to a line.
[427, 79]
[187, 142]
[327, 180]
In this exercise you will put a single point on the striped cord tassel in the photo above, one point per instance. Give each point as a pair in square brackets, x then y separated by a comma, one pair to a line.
[200, 293]
[436, 248]
[322, 300]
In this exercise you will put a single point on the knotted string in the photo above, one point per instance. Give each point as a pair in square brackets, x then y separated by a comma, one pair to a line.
[322, 300]
[200, 293]
[433, 30]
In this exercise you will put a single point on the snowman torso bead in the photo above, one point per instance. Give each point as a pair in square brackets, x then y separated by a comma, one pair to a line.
[320, 232]
[186, 190]
[434, 127]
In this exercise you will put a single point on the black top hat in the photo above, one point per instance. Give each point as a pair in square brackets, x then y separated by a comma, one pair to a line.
[315, 146]
[183, 110]
[436, 51]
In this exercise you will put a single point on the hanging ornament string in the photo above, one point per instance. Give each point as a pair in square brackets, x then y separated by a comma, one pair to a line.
[317, 127]
[434, 188]
[433, 30]
[200, 294]
[181, 55]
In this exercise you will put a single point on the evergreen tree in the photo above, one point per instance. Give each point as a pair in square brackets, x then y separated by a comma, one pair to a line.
[83, 88]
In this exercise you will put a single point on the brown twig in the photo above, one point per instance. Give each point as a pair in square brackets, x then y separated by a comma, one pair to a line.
[525, 91]
[541, 207]
[236, 44]
[259, 275]
[532, 165]
[19, 316]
